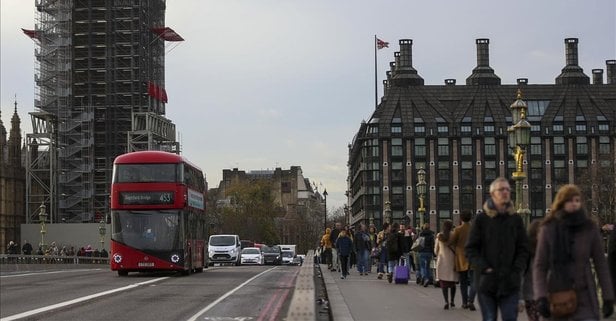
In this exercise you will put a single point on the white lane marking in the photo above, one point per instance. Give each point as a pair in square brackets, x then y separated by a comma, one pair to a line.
[78, 300]
[48, 272]
[226, 295]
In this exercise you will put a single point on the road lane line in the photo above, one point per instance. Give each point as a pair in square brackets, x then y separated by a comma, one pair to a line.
[79, 300]
[48, 272]
[273, 299]
[226, 295]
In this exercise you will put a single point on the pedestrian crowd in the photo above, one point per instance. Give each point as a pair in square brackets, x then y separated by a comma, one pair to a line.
[54, 252]
[553, 269]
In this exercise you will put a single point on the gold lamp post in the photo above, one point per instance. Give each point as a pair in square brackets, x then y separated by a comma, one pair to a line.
[519, 139]
[42, 219]
[102, 230]
[421, 193]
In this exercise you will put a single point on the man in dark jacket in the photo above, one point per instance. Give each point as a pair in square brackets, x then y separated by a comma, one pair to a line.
[426, 254]
[333, 238]
[26, 248]
[362, 247]
[395, 247]
[498, 247]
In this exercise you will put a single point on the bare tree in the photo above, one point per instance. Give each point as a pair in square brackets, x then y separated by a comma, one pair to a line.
[600, 192]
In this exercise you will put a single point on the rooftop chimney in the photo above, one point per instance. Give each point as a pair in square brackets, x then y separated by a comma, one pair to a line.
[572, 73]
[405, 75]
[450, 82]
[522, 81]
[392, 68]
[611, 71]
[483, 74]
[385, 89]
[597, 76]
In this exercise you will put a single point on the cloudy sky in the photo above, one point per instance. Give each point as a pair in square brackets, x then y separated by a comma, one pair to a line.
[260, 84]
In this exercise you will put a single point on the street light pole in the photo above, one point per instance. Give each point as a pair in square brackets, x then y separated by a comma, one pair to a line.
[519, 139]
[421, 193]
[102, 230]
[42, 219]
[325, 215]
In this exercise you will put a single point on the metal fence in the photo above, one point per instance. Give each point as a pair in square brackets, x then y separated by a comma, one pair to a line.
[51, 259]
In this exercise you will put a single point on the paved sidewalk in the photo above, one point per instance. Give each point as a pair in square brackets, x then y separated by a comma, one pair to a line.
[367, 299]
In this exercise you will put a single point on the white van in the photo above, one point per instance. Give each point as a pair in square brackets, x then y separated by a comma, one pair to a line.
[224, 248]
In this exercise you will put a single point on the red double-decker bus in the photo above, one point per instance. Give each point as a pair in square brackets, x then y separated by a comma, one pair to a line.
[157, 214]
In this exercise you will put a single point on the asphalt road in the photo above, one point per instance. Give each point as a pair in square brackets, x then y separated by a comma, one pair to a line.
[245, 293]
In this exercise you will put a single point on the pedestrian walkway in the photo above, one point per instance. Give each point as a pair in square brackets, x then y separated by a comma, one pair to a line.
[364, 298]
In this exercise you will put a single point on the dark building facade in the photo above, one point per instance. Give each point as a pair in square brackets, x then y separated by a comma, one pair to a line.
[12, 183]
[458, 135]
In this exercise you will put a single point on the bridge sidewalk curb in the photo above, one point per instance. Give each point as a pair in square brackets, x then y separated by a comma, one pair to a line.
[339, 308]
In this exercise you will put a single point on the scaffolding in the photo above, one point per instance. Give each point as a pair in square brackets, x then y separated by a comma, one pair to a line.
[97, 63]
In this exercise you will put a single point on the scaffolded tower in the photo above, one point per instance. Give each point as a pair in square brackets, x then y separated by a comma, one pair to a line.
[100, 69]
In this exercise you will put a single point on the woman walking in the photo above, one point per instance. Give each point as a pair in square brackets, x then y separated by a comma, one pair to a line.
[381, 243]
[527, 282]
[458, 239]
[326, 245]
[344, 244]
[567, 241]
[446, 264]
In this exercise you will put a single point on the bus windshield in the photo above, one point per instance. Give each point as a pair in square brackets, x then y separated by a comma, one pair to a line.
[146, 173]
[147, 230]
[222, 240]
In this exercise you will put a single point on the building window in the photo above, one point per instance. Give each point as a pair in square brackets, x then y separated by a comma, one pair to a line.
[488, 128]
[420, 151]
[559, 146]
[443, 147]
[420, 129]
[467, 165]
[444, 174]
[396, 129]
[537, 107]
[557, 127]
[604, 127]
[466, 129]
[373, 129]
[443, 129]
[397, 151]
[535, 145]
[582, 146]
[604, 145]
[580, 128]
[467, 150]
[535, 128]
[490, 146]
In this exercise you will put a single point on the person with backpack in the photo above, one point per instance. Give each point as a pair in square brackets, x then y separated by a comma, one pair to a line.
[381, 243]
[362, 247]
[344, 244]
[395, 244]
[424, 245]
[446, 264]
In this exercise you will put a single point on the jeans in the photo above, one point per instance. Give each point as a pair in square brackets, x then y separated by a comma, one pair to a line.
[490, 305]
[362, 261]
[472, 292]
[382, 261]
[391, 265]
[424, 266]
[464, 284]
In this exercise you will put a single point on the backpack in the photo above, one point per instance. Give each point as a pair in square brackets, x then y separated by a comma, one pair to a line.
[419, 244]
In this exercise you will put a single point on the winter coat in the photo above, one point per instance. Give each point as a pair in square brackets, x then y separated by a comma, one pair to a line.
[498, 241]
[333, 236]
[27, 249]
[326, 242]
[587, 244]
[395, 245]
[458, 239]
[344, 245]
[428, 241]
[362, 241]
[408, 243]
[445, 261]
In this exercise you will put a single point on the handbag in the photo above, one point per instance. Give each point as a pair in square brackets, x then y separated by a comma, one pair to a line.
[563, 303]
[419, 243]
[375, 253]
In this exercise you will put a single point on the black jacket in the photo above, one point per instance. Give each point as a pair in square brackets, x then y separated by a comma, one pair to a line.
[408, 243]
[395, 246]
[428, 236]
[334, 236]
[362, 241]
[27, 249]
[498, 241]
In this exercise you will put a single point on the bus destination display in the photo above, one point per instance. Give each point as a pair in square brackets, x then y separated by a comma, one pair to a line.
[146, 198]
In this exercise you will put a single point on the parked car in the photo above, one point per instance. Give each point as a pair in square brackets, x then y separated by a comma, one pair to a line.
[252, 255]
[272, 255]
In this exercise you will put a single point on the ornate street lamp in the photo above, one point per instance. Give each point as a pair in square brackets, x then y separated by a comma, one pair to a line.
[325, 216]
[421, 193]
[519, 139]
[387, 212]
[42, 219]
[102, 230]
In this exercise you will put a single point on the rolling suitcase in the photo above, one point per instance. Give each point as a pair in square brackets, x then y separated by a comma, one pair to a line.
[401, 273]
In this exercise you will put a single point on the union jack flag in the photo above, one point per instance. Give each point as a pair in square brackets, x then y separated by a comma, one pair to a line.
[380, 44]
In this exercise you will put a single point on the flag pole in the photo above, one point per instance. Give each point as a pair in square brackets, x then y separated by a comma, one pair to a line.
[376, 90]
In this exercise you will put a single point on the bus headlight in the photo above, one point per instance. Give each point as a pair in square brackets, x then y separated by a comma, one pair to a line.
[117, 258]
[175, 258]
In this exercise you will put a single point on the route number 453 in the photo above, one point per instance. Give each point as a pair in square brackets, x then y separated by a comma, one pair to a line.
[165, 197]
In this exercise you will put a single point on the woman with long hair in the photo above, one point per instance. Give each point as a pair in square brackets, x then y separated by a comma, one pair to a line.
[446, 264]
[527, 282]
[568, 240]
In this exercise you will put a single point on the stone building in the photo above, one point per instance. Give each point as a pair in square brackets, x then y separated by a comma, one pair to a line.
[301, 206]
[12, 183]
[458, 135]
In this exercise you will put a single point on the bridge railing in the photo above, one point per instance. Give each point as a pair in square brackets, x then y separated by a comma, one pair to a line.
[51, 259]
